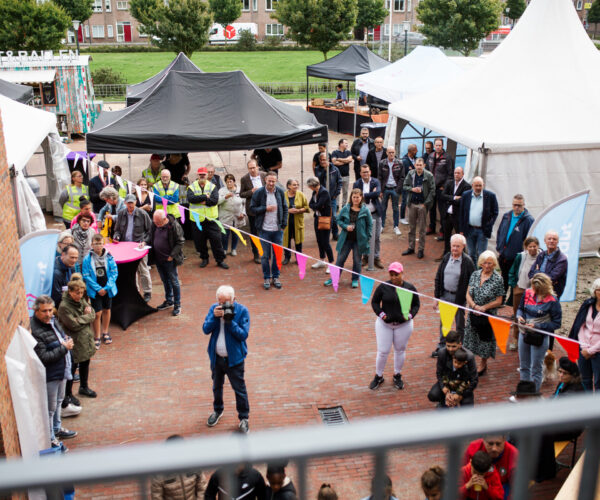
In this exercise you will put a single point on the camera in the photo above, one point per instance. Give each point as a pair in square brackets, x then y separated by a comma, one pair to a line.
[227, 311]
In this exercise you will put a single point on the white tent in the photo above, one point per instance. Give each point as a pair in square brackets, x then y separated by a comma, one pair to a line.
[531, 111]
[423, 69]
[25, 130]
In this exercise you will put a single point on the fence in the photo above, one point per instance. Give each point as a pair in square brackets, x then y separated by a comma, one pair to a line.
[526, 422]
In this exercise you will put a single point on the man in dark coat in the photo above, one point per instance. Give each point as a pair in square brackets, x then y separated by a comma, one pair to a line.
[451, 195]
[360, 149]
[64, 266]
[441, 165]
[552, 262]
[249, 183]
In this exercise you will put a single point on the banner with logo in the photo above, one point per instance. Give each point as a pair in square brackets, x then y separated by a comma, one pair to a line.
[38, 252]
[566, 218]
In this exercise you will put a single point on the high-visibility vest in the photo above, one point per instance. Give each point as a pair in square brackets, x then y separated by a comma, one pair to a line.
[172, 189]
[71, 207]
[202, 210]
[151, 177]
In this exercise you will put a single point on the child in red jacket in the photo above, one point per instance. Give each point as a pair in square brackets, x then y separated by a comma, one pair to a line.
[481, 481]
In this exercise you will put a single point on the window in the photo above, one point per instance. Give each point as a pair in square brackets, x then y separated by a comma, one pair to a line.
[107, 6]
[141, 34]
[399, 5]
[246, 5]
[274, 29]
[386, 29]
[254, 5]
[98, 31]
[97, 6]
[124, 31]
[87, 30]
[579, 4]
[109, 31]
[409, 5]
[269, 4]
[122, 5]
[398, 29]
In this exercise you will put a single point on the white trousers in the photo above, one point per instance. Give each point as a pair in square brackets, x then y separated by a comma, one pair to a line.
[391, 335]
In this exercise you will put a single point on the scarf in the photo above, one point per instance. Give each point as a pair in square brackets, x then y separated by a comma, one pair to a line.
[99, 260]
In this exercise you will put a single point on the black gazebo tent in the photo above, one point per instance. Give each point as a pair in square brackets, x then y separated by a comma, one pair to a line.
[138, 91]
[204, 112]
[19, 93]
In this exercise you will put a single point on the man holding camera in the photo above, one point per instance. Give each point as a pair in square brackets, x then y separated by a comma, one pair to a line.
[228, 324]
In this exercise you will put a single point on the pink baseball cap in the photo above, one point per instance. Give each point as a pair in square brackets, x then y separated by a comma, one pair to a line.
[396, 267]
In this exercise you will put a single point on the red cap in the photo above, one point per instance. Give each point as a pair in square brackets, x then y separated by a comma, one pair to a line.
[155, 157]
[202, 170]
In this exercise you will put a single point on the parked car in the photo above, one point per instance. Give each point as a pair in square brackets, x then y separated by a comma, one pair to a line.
[414, 38]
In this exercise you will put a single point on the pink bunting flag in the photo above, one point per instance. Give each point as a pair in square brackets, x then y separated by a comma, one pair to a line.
[165, 204]
[181, 212]
[334, 272]
[301, 259]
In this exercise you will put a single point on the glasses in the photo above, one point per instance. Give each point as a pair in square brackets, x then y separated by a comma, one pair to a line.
[518, 205]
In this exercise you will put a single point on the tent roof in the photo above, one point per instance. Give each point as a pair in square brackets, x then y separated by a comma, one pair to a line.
[355, 60]
[140, 90]
[20, 93]
[204, 112]
[537, 91]
[25, 127]
[409, 75]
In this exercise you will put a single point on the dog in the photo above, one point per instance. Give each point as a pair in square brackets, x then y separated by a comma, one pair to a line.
[549, 371]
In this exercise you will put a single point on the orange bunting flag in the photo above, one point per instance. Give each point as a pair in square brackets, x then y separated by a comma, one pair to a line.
[278, 251]
[447, 313]
[501, 330]
[257, 244]
[571, 347]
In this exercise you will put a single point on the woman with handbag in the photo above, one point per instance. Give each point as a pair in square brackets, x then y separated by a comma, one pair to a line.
[539, 309]
[298, 206]
[231, 210]
[485, 294]
[320, 204]
[356, 225]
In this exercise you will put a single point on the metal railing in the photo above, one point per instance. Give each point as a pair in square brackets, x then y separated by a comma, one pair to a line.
[526, 422]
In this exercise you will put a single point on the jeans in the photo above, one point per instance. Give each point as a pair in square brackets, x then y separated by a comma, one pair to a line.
[56, 393]
[349, 246]
[168, 274]
[375, 242]
[323, 242]
[476, 244]
[531, 359]
[235, 374]
[252, 222]
[403, 206]
[590, 372]
[334, 226]
[225, 239]
[270, 269]
[388, 193]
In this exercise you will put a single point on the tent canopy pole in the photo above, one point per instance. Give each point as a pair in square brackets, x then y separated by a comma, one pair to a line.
[307, 91]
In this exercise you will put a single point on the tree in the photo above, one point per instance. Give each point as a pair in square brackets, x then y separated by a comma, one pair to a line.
[225, 11]
[458, 24]
[514, 9]
[77, 9]
[371, 13]
[594, 15]
[27, 25]
[180, 26]
[320, 24]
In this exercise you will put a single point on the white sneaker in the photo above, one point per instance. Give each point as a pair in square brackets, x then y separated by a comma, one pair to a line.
[328, 270]
[318, 265]
[404, 221]
[70, 411]
[234, 253]
[512, 399]
[397, 231]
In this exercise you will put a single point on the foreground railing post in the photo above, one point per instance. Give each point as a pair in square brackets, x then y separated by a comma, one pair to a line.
[454, 463]
[301, 465]
[589, 474]
[379, 475]
[528, 445]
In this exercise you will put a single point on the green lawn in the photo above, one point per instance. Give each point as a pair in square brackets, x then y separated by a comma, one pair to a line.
[277, 66]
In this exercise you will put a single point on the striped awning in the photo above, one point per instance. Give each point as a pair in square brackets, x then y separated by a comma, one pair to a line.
[29, 76]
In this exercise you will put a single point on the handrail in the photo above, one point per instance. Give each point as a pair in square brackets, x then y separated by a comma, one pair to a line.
[525, 421]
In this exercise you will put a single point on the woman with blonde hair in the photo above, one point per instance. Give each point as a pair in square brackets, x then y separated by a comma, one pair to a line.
[485, 294]
[297, 207]
[539, 309]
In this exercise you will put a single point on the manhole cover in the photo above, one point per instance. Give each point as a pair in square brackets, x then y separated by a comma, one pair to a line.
[333, 416]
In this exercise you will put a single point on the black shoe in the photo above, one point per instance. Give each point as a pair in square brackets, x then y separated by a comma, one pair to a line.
[214, 418]
[408, 251]
[70, 400]
[147, 297]
[65, 434]
[243, 427]
[376, 382]
[286, 261]
[439, 259]
[439, 238]
[420, 254]
[398, 383]
[222, 265]
[335, 237]
[481, 373]
[204, 263]
[87, 392]
[256, 259]
[435, 353]
[176, 311]
[165, 305]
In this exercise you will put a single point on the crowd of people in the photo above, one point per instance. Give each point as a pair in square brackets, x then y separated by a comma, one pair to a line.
[73, 323]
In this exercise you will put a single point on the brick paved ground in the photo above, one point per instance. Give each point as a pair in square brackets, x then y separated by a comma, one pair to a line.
[309, 347]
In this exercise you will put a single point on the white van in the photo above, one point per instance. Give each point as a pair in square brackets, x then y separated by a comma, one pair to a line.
[218, 35]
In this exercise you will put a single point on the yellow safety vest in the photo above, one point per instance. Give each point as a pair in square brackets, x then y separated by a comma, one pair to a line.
[150, 177]
[172, 208]
[71, 207]
[202, 210]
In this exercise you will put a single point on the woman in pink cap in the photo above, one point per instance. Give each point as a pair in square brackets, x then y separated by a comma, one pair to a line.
[392, 327]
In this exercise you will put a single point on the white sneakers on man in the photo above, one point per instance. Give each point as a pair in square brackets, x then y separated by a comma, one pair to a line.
[397, 231]
[70, 410]
[404, 221]
[318, 265]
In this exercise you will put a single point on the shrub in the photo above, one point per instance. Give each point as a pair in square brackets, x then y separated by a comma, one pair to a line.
[104, 76]
[273, 41]
[246, 42]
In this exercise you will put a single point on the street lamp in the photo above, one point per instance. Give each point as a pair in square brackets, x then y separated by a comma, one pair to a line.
[390, 37]
[76, 28]
[406, 30]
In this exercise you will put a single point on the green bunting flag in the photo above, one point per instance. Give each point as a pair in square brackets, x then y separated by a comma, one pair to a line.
[405, 298]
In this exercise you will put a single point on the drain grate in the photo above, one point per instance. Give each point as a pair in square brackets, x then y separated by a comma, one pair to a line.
[333, 416]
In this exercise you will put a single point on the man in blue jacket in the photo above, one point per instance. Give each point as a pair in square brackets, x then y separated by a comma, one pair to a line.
[511, 234]
[478, 212]
[228, 324]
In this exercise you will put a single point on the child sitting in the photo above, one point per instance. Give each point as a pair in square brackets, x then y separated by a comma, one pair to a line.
[456, 382]
[479, 480]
